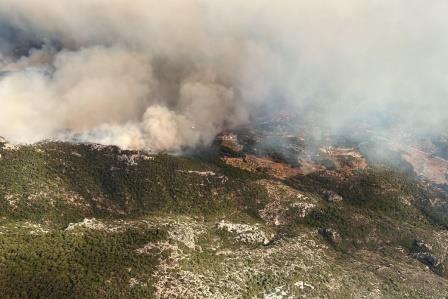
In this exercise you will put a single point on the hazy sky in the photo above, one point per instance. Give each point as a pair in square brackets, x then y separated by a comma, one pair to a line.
[167, 74]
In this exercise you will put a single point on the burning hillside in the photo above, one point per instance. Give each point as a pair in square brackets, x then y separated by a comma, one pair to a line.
[223, 149]
[170, 76]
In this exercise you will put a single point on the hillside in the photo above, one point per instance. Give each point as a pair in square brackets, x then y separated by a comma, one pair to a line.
[235, 220]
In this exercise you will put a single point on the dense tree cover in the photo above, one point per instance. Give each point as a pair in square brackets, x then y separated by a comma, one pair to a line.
[54, 184]
[63, 264]
[35, 182]
[380, 206]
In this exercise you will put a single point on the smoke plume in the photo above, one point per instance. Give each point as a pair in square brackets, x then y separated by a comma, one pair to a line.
[165, 75]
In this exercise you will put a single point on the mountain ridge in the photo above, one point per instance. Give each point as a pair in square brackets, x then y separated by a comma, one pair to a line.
[156, 225]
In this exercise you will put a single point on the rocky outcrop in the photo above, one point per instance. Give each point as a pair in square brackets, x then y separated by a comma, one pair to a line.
[229, 142]
[330, 235]
[422, 252]
[286, 204]
[332, 196]
[428, 259]
[244, 233]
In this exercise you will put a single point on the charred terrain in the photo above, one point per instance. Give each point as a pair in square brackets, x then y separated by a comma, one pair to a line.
[267, 211]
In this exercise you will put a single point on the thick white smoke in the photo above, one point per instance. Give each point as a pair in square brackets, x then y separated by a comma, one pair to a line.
[164, 75]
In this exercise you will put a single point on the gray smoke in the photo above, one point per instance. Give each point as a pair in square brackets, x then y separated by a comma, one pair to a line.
[165, 75]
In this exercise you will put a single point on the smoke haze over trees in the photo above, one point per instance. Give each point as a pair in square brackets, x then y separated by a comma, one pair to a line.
[172, 74]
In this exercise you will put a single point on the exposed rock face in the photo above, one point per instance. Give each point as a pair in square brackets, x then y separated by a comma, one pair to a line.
[421, 251]
[244, 233]
[344, 159]
[426, 258]
[9, 147]
[420, 246]
[229, 141]
[331, 235]
[332, 196]
[278, 213]
[286, 204]
[87, 223]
